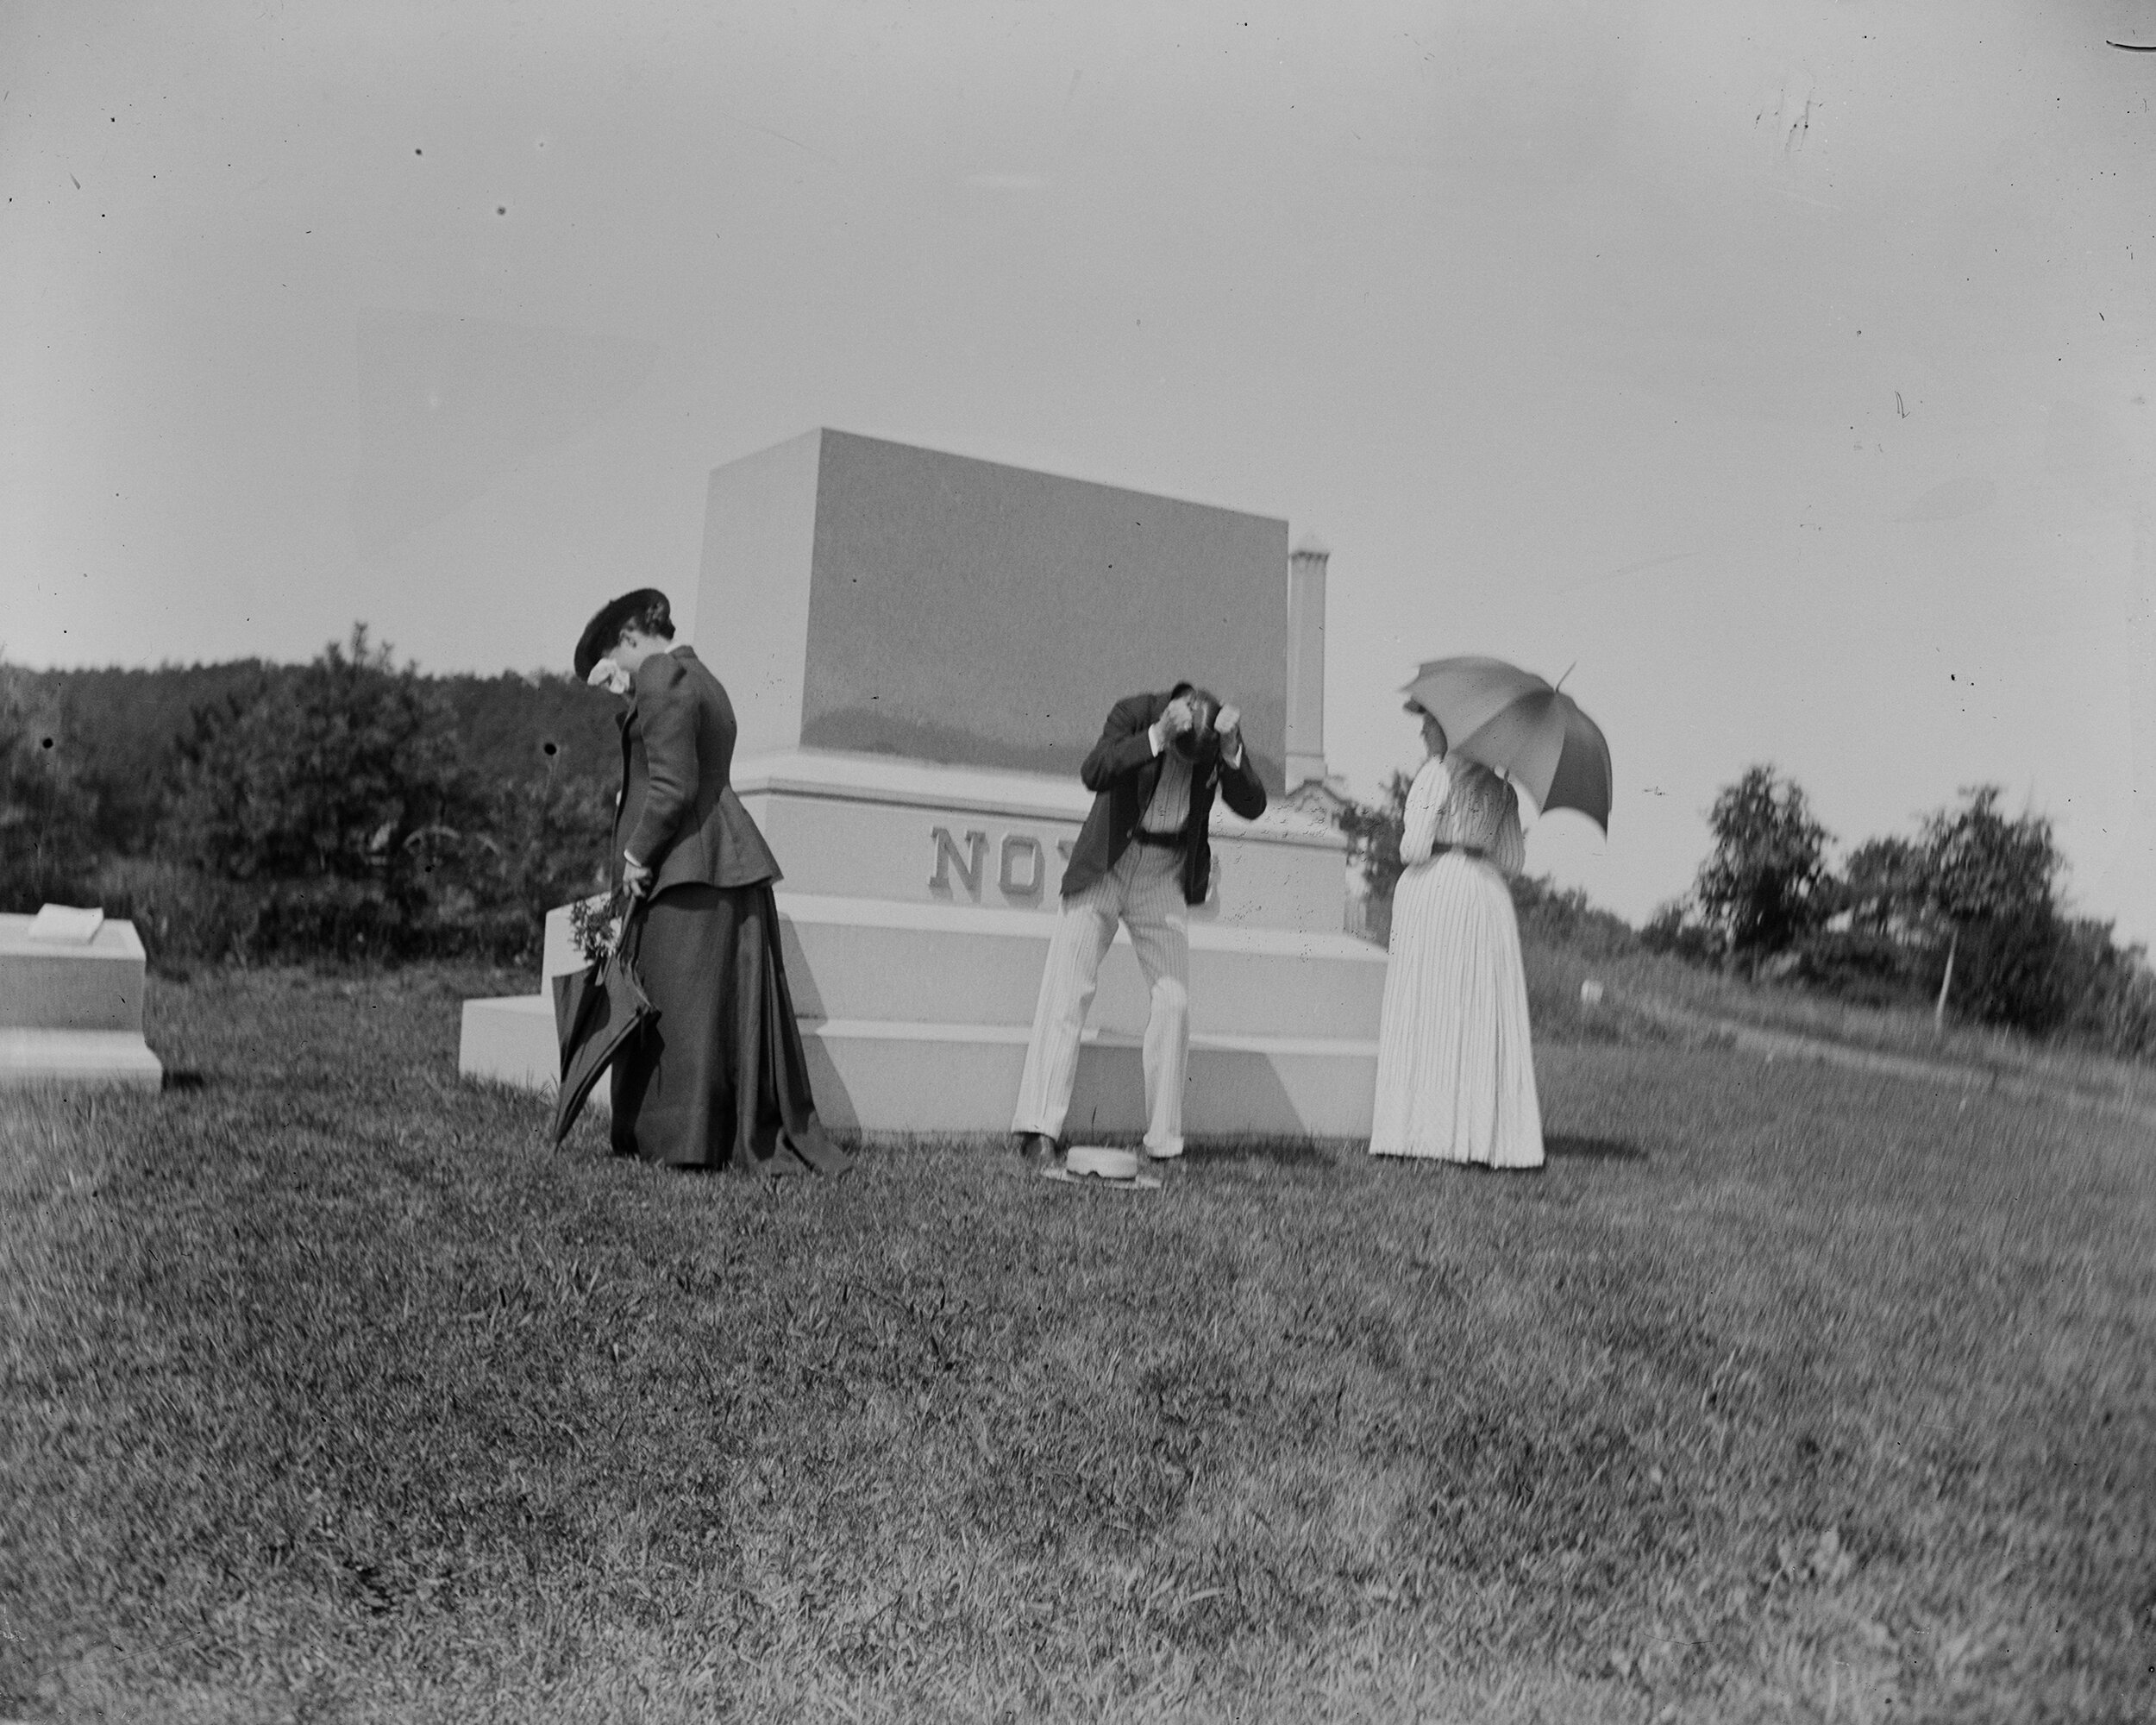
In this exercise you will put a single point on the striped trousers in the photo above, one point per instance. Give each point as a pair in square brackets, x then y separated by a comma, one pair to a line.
[1143, 891]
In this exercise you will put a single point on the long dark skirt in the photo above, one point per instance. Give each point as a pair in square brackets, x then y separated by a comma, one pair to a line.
[718, 1076]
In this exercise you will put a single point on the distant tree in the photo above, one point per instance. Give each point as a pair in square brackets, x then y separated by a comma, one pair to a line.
[121, 730]
[45, 821]
[1766, 884]
[121, 727]
[512, 726]
[1981, 866]
[346, 772]
[1993, 884]
[1885, 889]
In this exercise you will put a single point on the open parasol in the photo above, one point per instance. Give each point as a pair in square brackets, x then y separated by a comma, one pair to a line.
[1513, 722]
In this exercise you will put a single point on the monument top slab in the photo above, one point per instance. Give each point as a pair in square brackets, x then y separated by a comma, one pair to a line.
[875, 598]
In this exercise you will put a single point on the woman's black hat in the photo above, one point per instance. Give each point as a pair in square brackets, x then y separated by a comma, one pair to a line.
[645, 607]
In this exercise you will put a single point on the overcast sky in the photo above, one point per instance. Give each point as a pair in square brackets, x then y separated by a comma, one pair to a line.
[1785, 369]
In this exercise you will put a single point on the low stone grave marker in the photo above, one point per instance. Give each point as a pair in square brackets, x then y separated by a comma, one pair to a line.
[71, 982]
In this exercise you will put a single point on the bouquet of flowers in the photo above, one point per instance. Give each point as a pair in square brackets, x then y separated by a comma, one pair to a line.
[595, 925]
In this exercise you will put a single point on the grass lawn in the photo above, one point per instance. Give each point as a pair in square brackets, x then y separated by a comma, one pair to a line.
[326, 1390]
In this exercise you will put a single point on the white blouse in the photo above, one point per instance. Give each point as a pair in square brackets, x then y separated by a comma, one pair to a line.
[1463, 802]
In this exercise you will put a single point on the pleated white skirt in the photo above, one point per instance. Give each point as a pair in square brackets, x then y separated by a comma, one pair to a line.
[1456, 1075]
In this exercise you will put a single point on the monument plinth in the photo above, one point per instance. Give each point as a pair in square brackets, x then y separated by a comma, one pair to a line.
[72, 984]
[920, 649]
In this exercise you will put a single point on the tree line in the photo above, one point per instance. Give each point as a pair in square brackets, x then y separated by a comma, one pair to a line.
[1967, 915]
[352, 808]
[349, 807]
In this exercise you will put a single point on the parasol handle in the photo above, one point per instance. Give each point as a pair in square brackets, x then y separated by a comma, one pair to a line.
[621, 934]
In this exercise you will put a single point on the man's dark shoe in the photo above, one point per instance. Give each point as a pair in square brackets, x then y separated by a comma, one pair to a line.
[1035, 1147]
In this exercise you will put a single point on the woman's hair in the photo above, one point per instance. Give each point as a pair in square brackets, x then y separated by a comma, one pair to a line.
[1424, 716]
[645, 611]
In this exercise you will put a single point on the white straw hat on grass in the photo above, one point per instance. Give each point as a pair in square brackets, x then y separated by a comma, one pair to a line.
[1101, 1165]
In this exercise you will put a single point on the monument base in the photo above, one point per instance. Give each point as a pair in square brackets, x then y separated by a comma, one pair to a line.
[880, 1076]
[915, 918]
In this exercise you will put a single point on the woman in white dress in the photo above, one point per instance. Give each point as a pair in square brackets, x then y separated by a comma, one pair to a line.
[1455, 1076]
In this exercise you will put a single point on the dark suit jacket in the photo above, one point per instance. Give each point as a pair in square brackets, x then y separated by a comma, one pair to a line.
[678, 806]
[1122, 772]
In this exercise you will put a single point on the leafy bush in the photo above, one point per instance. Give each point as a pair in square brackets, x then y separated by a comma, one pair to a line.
[1865, 967]
[336, 918]
[1373, 834]
[1675, 931]
[544, 843]
[2006, 970]
[184, 916]
[2112, 992]
[1565, 916]
[188, 916]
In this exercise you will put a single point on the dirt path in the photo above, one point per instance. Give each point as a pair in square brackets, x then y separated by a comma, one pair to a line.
[2139, 1103]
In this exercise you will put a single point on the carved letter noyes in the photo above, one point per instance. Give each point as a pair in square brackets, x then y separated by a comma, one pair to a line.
[947, 858]
[1015, 846]
[960, 865]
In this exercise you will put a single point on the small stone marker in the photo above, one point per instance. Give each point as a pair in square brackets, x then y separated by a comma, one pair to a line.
[70, 1003]
[1590, 993]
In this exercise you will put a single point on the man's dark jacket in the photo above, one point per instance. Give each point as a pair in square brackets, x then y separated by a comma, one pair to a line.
[678, 806]
[1122, 772]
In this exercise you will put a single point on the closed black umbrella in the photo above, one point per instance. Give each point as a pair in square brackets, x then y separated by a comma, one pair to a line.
[596, 1010]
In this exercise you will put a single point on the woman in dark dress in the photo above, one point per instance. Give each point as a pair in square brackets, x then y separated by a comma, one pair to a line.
[719, 1076]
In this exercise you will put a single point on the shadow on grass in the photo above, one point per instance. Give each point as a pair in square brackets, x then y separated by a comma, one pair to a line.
[1563, 1146]
[1280, 1152]
[181, 1080]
